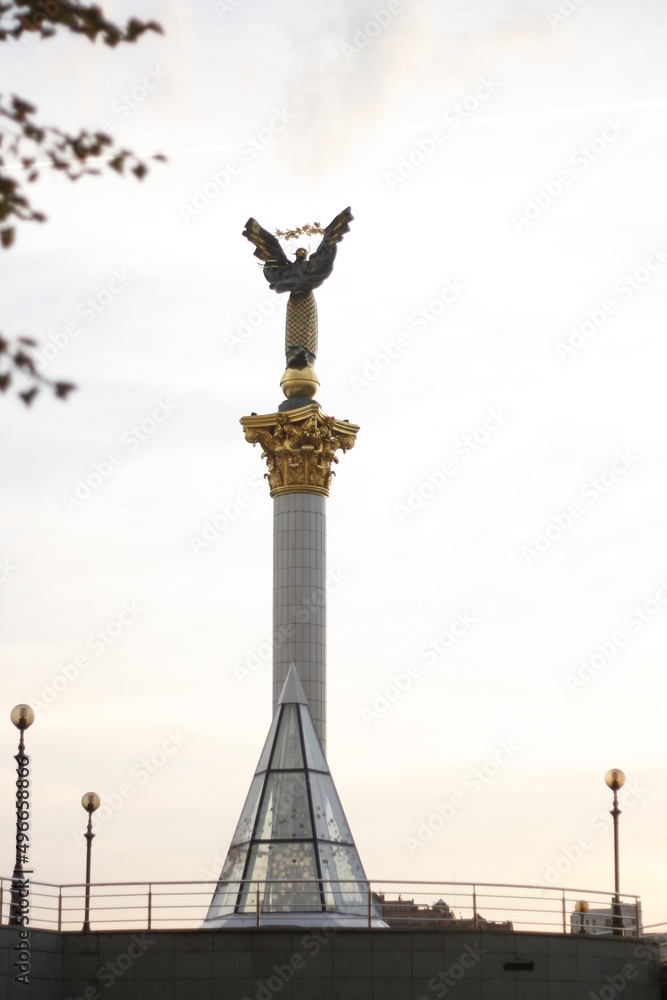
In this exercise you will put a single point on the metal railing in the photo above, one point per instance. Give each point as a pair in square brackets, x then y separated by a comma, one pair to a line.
[402, 905]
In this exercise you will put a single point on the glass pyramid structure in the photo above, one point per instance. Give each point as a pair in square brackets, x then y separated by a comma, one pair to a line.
[292, 861]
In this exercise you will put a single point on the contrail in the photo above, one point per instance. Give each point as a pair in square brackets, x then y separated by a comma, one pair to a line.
[512, 116]
[527, 116]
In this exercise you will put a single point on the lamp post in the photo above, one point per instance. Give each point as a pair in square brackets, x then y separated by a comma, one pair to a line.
[90, 802]
[615, 779]
[581, 907]
[22, 717]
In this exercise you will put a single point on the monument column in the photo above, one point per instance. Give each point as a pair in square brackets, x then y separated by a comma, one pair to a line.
[299, 443]
[299, 446]
[292, 861]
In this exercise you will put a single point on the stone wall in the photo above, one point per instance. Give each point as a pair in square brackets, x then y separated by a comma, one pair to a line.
[323, 964]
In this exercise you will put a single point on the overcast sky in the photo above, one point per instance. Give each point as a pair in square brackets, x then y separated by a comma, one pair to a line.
[495, 324]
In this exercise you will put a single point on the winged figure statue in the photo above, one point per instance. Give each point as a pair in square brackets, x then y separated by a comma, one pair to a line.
[299, 277]
[305, 272]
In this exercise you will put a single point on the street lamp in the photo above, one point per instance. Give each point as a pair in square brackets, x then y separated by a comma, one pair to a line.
[581, 907]
[22, 717]
[615, 779]
[90, 802]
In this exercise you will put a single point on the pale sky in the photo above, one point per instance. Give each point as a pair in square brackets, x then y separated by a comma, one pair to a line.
[495, 324]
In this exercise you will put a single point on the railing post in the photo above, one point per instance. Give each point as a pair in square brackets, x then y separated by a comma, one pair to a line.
[636, 917]
[60, 908]
[2, 886]
[150, 904]
[564, 918]
[257, 906]
[474, 907]
[370, 907]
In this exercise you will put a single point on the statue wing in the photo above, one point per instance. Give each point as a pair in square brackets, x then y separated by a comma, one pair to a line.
[320, 263]
[267, 246]
[338, 227]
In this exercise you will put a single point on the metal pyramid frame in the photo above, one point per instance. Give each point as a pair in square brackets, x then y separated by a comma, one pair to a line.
[292, 860]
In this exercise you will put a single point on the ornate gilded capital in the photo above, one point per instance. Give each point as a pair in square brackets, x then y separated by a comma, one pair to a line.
[300, 447]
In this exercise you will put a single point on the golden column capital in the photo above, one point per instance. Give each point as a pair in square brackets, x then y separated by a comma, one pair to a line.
[300, 447]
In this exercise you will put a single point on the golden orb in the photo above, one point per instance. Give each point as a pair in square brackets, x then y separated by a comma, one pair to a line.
[90, 801]
[615, 779]
[297, 382]
[22, 716]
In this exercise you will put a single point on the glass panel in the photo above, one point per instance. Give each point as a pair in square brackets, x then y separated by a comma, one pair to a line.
[288, 742]
[227, 890]
[314, 754]
[347, 890]
[244, 828]
[284, 813]
[330, 822]
[266, 752]
[296, 888]
[256, 869]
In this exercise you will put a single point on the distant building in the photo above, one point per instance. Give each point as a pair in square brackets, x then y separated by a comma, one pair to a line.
[601, 920]
[405, 913]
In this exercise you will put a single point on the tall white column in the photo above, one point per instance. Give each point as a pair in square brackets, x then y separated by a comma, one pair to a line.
[300, 445]
[299, 598]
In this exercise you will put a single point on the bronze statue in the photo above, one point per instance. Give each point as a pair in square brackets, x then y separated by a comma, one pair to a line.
[299, 277]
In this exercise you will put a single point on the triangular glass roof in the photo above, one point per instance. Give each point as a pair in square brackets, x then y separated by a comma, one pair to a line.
[292, 860]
